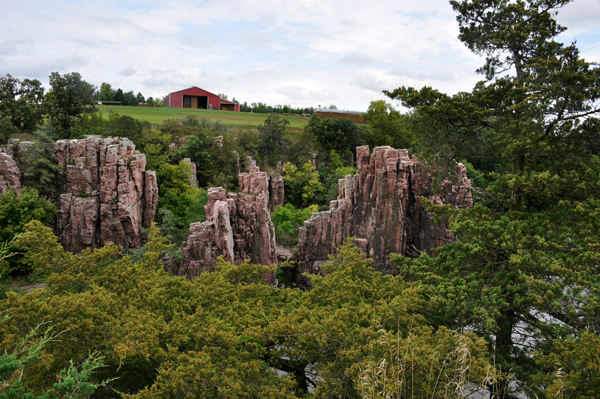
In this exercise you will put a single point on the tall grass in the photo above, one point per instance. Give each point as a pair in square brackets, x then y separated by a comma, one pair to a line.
[421, 365]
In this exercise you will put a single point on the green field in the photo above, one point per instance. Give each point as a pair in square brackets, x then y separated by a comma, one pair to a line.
[157, 115]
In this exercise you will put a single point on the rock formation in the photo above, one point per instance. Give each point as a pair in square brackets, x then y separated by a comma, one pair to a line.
[193, 177]
[380, 206]
[276, 192]
[276, 186]
[10, 175]
[109, 195]
[238, 226]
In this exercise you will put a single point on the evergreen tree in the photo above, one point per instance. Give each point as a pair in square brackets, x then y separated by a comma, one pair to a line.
[119, 96]
[524, 272]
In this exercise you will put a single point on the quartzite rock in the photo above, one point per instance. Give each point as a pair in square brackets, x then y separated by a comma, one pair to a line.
[238, 226]
[380, 206]
[109, 195]
[276, 192]
[10, 175]
[193, 177]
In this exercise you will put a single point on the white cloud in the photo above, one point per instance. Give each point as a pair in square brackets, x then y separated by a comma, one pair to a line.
[298, 53]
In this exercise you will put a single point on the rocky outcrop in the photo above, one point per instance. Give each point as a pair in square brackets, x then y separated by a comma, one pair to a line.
[276, 186]
[10, 175]
[276, 192]
[238, 226]
[109, 195]
[381, 208]
[193, 177]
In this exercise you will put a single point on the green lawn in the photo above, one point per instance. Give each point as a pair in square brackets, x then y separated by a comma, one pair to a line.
[157, 115]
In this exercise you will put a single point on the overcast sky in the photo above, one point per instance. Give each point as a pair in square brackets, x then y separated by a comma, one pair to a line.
[302, 53]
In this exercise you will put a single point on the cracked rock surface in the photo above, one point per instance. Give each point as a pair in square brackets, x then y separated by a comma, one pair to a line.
[238, 226]
[109, 195]
[381, 208]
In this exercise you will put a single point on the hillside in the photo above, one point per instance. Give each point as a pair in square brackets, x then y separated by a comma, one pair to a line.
[157, 115]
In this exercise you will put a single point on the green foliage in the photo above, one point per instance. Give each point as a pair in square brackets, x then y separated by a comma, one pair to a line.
[301, 185]
[37, 163]
[335, 331]
[226, 333]
[18, 210]
[288, 220]
[179, 203]
[140, 98]
[72, 382]
[176, 216]
[129, 98]
[522, 272]
[386, 126]
[68, 98]
[539, 118]
[6, 128]
[330, 177]
[571, 369]
[155, 145]
[119, 96]
[89, 124]
[107, 93]
[21, 103]
[124, 126]
[216, 166]
[272, 134]
[341, 134]
[512, 276]
[426, 364]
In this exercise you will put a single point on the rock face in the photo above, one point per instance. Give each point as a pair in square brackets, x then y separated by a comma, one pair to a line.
[109, 195]
[276, 192]
[193, 178]
[10, 175]
[238, 226]
[380, 206]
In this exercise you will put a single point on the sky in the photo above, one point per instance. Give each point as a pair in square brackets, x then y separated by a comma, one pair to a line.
[305, 53]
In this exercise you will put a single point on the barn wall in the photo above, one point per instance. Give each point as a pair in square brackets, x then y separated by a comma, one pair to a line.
[214, 100]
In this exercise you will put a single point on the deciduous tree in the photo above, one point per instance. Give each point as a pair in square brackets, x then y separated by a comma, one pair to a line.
[68, 98]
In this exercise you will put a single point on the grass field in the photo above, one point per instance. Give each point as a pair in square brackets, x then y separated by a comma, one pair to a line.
[157, 115]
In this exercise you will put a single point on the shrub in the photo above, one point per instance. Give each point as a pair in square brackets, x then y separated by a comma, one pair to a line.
[287, 221]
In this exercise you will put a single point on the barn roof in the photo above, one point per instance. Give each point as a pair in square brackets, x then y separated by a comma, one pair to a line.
[337, 111]
[199, 88]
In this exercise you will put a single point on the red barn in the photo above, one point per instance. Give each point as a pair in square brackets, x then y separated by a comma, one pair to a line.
[195, 97]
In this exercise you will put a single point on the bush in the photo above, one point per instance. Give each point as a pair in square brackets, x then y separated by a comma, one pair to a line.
[38, 166]
[6, 128]
[272, 134]
[287, 221]
[341, 135]
[330, 177]
[18, 210]
[301, 184]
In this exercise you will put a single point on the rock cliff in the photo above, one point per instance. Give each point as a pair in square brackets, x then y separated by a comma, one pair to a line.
[238, 226]
[276, 192]
[109, 195]
[193, 171]
[380, 206]
[10, 175]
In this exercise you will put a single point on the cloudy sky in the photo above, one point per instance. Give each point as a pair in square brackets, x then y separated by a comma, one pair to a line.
[301, 53]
